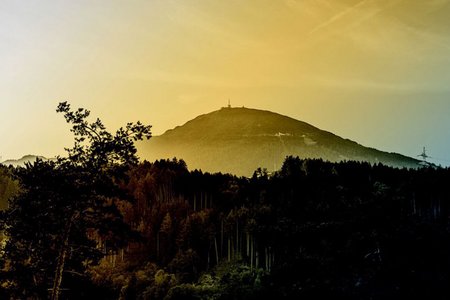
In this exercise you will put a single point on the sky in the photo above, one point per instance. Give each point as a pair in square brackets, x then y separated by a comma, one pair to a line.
[374, 71]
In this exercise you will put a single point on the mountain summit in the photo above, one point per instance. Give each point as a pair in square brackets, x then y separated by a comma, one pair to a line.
[239, 140]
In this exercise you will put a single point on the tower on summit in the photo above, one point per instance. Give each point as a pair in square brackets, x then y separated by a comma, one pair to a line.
[424, 155]
[229, 103]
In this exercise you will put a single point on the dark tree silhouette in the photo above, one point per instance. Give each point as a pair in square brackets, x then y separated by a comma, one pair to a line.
[61, 203]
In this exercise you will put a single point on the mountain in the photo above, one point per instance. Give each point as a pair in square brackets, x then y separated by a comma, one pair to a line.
[239, 140]
[22, 161]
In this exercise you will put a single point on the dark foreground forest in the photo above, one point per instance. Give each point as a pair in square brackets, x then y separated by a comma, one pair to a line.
[101, 225]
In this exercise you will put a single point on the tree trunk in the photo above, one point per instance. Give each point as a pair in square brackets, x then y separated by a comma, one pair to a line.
[256, 259]
[266, 258]
[217, 251]
[270, 259]
[251, 253]
[237, 240]
[209, 257]
[229, 249]
[248, 244]
[221, 238]
[157, 245]
[61, 261]
[273, 259]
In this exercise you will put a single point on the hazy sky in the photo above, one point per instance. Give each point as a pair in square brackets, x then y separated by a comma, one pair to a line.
[377, 72]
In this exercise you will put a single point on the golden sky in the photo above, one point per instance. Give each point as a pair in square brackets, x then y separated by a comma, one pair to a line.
[374, 71]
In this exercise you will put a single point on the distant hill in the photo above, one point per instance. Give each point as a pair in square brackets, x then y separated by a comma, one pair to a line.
[239, 140]
[22, 161]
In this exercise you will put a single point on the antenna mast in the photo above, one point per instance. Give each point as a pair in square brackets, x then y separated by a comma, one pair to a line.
[424, 155]
[229, 103]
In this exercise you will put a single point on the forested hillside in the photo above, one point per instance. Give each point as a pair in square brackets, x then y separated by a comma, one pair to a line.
[312, 230]
[100, 224]
[239, 140]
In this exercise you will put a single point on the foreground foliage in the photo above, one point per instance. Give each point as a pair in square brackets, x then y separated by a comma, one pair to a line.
[50, 224]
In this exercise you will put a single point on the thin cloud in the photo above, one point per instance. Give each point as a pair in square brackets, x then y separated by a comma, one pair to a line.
[220, 30]
[361, 84]
[337, 17]
[429, 37]
[180, 78]
[365, 15]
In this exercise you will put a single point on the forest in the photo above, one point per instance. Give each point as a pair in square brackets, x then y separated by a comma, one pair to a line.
[100, 224]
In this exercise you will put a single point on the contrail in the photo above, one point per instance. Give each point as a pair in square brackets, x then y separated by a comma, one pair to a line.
[337, 16]
[348, 10]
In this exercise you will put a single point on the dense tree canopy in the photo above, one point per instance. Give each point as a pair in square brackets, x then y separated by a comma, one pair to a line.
[312, 230]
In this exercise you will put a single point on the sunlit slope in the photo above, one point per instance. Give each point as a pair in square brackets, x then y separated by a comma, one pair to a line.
[239, 140]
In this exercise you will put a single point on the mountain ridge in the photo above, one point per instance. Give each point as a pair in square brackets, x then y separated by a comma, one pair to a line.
[239, 140]
[29, 158]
